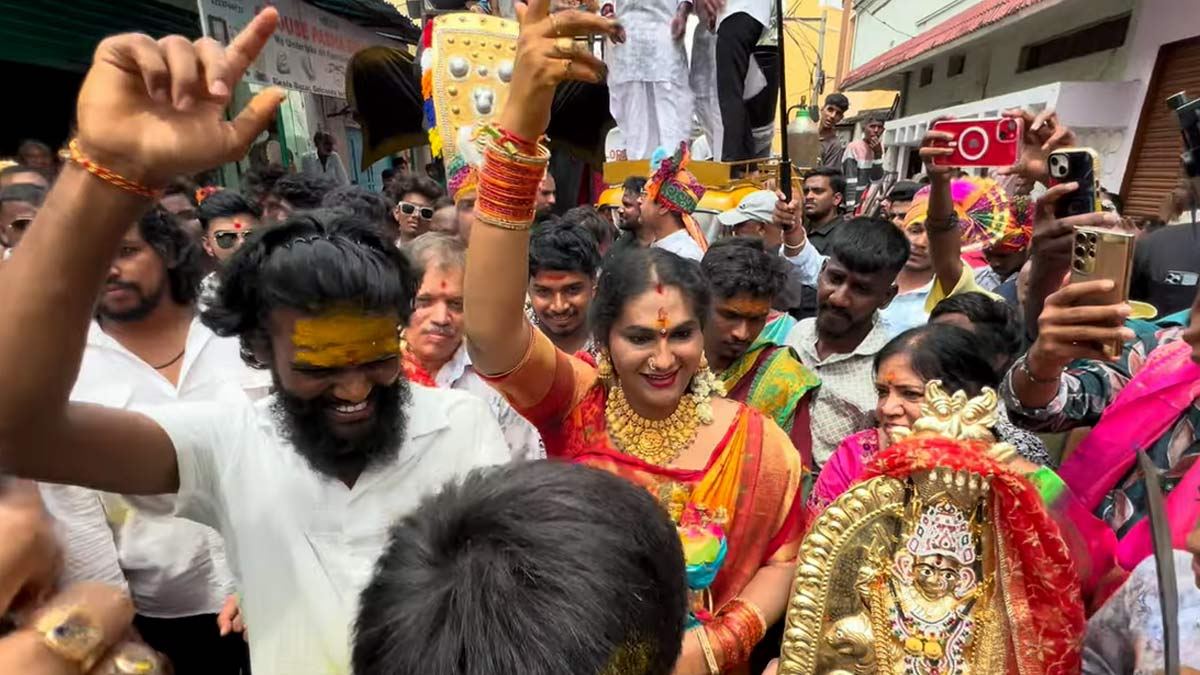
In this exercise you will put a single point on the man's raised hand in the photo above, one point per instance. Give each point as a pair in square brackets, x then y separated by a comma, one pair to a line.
[152, 110]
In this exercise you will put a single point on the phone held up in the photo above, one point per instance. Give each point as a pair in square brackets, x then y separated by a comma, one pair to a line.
[1103, 254]
[981, 142]
[1076, 165]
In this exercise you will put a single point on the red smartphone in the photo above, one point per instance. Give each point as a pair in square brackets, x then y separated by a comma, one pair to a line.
[982, 142]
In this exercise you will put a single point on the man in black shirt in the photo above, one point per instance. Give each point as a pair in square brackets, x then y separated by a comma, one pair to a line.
[1166, 268]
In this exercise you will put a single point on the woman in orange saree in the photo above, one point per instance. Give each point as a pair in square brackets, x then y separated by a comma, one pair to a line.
[728, 476]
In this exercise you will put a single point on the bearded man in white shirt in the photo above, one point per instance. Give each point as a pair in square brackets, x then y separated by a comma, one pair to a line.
[145, 347]
[302, 485]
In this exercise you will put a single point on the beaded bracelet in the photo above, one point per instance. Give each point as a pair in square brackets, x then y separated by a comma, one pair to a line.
[108, 175]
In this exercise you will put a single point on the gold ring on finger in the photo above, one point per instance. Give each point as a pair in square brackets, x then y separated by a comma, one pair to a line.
[554, 25]
[565, 45]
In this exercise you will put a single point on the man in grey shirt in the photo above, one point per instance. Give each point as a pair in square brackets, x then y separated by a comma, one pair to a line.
[832, 147]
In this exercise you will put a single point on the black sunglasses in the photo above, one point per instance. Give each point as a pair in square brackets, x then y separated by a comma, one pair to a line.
[424, 212]
[227, 239]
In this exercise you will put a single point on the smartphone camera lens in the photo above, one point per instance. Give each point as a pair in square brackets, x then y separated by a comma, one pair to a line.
[1080, 251]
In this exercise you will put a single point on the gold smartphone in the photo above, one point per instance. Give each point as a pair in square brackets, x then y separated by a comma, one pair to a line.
[1103, 254]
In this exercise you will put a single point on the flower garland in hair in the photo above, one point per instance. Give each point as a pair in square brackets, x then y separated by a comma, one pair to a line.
[427, 61]
[706, 385]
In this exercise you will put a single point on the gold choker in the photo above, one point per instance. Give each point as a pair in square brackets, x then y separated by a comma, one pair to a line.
[657, 442]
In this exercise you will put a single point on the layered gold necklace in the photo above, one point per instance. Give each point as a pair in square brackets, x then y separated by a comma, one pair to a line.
[657, 442]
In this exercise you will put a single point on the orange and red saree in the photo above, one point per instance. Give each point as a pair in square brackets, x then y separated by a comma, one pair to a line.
[753, 475]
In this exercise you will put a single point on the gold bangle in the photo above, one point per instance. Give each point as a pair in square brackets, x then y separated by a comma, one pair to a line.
[511, 225]
[72, 635]
[709, 657]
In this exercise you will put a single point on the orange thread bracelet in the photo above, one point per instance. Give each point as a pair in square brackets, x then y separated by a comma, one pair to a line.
[108, 175]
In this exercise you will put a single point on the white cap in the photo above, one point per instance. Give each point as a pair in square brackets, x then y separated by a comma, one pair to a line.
[758, 205]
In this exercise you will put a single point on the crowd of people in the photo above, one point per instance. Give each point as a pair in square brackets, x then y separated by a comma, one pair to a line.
[302, 427]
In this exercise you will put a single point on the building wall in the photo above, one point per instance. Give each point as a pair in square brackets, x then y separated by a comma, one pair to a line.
[883, 24]
[992, 59]
[1155, 23]
[803, 37]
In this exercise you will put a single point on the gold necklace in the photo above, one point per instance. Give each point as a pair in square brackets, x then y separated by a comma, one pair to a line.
[657, 442]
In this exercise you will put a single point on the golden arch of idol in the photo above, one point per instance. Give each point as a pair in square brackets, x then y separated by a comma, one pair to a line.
[942, 562]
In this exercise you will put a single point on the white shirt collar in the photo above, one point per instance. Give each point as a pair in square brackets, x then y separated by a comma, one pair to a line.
[455, 369]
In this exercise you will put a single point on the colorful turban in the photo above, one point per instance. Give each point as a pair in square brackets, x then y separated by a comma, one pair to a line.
[984, 211]
[1019, 233]
[671, 185]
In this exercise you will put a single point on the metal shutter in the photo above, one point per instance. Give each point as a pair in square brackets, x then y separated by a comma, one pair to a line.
[1154, 166]
[65, 34]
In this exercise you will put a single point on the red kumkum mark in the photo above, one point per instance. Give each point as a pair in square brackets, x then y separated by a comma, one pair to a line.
[890, 377]
[658, 288]
[555, 276]
[237, 225]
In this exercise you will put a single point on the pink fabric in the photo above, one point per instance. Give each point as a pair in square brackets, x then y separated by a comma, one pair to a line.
[1145, 409]
[843, 468]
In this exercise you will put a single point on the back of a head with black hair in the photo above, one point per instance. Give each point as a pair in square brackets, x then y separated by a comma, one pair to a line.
[225, 204]
[558, 245]
[866, 245]
[312, 262]
[737, 266]
[259, 182]
[904, 191]
[302, 191]
[837, 182]
[635, 270]
[184, 259]
[182, 185]
[537, 568]
[414, 184]
[634, 185]
[601, 229]
[360, 201]
[996, 322]
[28, 193]
[938, 351]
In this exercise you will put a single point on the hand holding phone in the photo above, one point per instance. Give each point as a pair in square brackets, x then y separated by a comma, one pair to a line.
[1081, 166]
[993, 142]
[1103, 254]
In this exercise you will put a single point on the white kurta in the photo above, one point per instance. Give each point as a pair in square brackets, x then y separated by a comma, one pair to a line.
[648, 79]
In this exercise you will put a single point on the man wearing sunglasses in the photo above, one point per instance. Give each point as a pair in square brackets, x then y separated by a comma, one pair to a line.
[415, 197]
[18, 205]
[228, 218]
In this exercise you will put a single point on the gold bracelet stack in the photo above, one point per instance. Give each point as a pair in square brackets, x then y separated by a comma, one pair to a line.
[710, 658]
[512, 171]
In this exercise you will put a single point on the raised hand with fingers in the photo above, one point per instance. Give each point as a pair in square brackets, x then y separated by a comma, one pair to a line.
[548, 54]
[1044, 133]
[152, 110]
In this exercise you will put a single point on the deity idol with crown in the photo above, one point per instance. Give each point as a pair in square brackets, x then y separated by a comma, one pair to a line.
[941, 561]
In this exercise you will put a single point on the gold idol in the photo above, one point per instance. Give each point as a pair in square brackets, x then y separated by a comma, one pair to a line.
[922, 568]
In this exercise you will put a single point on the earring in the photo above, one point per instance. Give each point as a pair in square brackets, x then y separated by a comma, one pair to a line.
[604, 369]
[703, 387]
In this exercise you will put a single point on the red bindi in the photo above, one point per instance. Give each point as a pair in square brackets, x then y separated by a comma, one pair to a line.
[443, 285]
[554, 276]
[237, 225]
[659, 289]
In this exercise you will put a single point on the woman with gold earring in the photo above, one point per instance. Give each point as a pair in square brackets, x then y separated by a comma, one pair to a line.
[651, 410]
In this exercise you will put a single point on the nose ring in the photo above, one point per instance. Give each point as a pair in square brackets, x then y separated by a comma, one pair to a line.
[653, 368]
